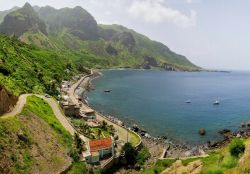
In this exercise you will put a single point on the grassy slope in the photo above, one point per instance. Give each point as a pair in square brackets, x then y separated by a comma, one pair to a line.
[24, 68]
[43, 111]
[222, 161]
[159, 166]
[43, 145]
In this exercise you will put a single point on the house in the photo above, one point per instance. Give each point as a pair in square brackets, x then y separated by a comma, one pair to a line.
[99, 149]
[70, 109]
[87, 113]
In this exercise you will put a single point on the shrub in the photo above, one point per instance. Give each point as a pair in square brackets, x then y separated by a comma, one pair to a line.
[129, 153]
[142, 156]
[236, 147]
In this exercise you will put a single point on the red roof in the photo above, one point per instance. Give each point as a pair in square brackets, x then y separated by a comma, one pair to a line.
[99, 144]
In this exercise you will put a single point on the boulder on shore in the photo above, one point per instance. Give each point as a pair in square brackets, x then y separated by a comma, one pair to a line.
[224, 131]
[202, 131]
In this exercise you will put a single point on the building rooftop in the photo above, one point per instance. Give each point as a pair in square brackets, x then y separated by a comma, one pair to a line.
[99, 144]
[87, 110]
[86, 154]
[95, 153]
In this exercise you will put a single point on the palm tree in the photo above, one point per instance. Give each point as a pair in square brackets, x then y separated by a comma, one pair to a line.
[99, 132]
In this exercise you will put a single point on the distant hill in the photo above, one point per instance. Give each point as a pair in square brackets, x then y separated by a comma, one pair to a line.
[75, 33]
[153, 53]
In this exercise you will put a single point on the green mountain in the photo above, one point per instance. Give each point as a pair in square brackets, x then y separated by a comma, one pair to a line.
[74, 33]
[152, 53]
[76, 21]
[22, 20]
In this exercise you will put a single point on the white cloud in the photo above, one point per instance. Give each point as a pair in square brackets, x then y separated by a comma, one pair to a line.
[189, 1]
[155, 11]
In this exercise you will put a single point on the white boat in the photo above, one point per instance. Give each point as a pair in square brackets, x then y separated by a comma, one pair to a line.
[216, 102]
[188, 101]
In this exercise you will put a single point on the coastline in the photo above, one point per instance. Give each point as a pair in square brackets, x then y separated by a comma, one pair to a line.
[174, 149]
[157, 145]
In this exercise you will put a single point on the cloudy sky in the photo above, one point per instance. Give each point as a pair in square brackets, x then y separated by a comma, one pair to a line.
[211, 33]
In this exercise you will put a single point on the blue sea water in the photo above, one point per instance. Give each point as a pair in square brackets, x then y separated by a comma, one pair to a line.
[155, 100]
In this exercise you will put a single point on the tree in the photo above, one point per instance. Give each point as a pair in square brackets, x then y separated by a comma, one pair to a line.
[129, 153]
[78, 142]
[112, 130]
[236, 147]
[99, 133]
[104, 125]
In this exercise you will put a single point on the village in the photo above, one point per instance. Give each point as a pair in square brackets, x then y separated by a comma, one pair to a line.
[103, 136]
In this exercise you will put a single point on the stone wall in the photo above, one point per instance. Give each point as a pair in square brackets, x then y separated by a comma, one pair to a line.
[7, 100]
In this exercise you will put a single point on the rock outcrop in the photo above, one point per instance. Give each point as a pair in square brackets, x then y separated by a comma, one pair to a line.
[169, 67]
[149, 62]
[7, 100]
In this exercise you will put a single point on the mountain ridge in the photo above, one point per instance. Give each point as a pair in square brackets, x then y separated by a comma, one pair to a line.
[74, 31]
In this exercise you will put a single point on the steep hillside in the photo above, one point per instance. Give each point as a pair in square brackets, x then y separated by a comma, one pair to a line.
[24, 68]
[34, 141]
[22, 20]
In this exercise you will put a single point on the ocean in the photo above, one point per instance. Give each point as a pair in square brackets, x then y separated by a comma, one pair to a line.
[155, 100]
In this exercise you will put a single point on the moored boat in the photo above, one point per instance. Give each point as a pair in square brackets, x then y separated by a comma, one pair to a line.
[216, 102]
[188, 101]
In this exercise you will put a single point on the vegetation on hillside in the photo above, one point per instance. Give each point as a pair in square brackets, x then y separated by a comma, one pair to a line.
[150, 52]
[34, 141]
[43, 111]
[232, 159]
[158, 167]
[224, 160]
[236, 147]
[25, 68]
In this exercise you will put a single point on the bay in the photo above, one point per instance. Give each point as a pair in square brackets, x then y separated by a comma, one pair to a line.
[155, 100]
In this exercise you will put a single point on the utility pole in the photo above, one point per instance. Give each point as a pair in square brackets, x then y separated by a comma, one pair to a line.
[127, 135]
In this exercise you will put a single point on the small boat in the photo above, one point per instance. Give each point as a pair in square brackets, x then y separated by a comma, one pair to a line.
[107, 90]
[216, 102]
[188, 101]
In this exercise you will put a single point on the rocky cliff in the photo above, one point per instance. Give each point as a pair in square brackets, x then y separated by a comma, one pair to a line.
[7, 100]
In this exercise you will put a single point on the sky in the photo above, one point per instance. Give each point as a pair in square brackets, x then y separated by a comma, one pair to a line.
[211, 33]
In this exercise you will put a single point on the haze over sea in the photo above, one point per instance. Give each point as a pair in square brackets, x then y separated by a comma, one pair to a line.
[155, 100]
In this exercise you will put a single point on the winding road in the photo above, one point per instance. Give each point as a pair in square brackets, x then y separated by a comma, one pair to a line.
[54, 106]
